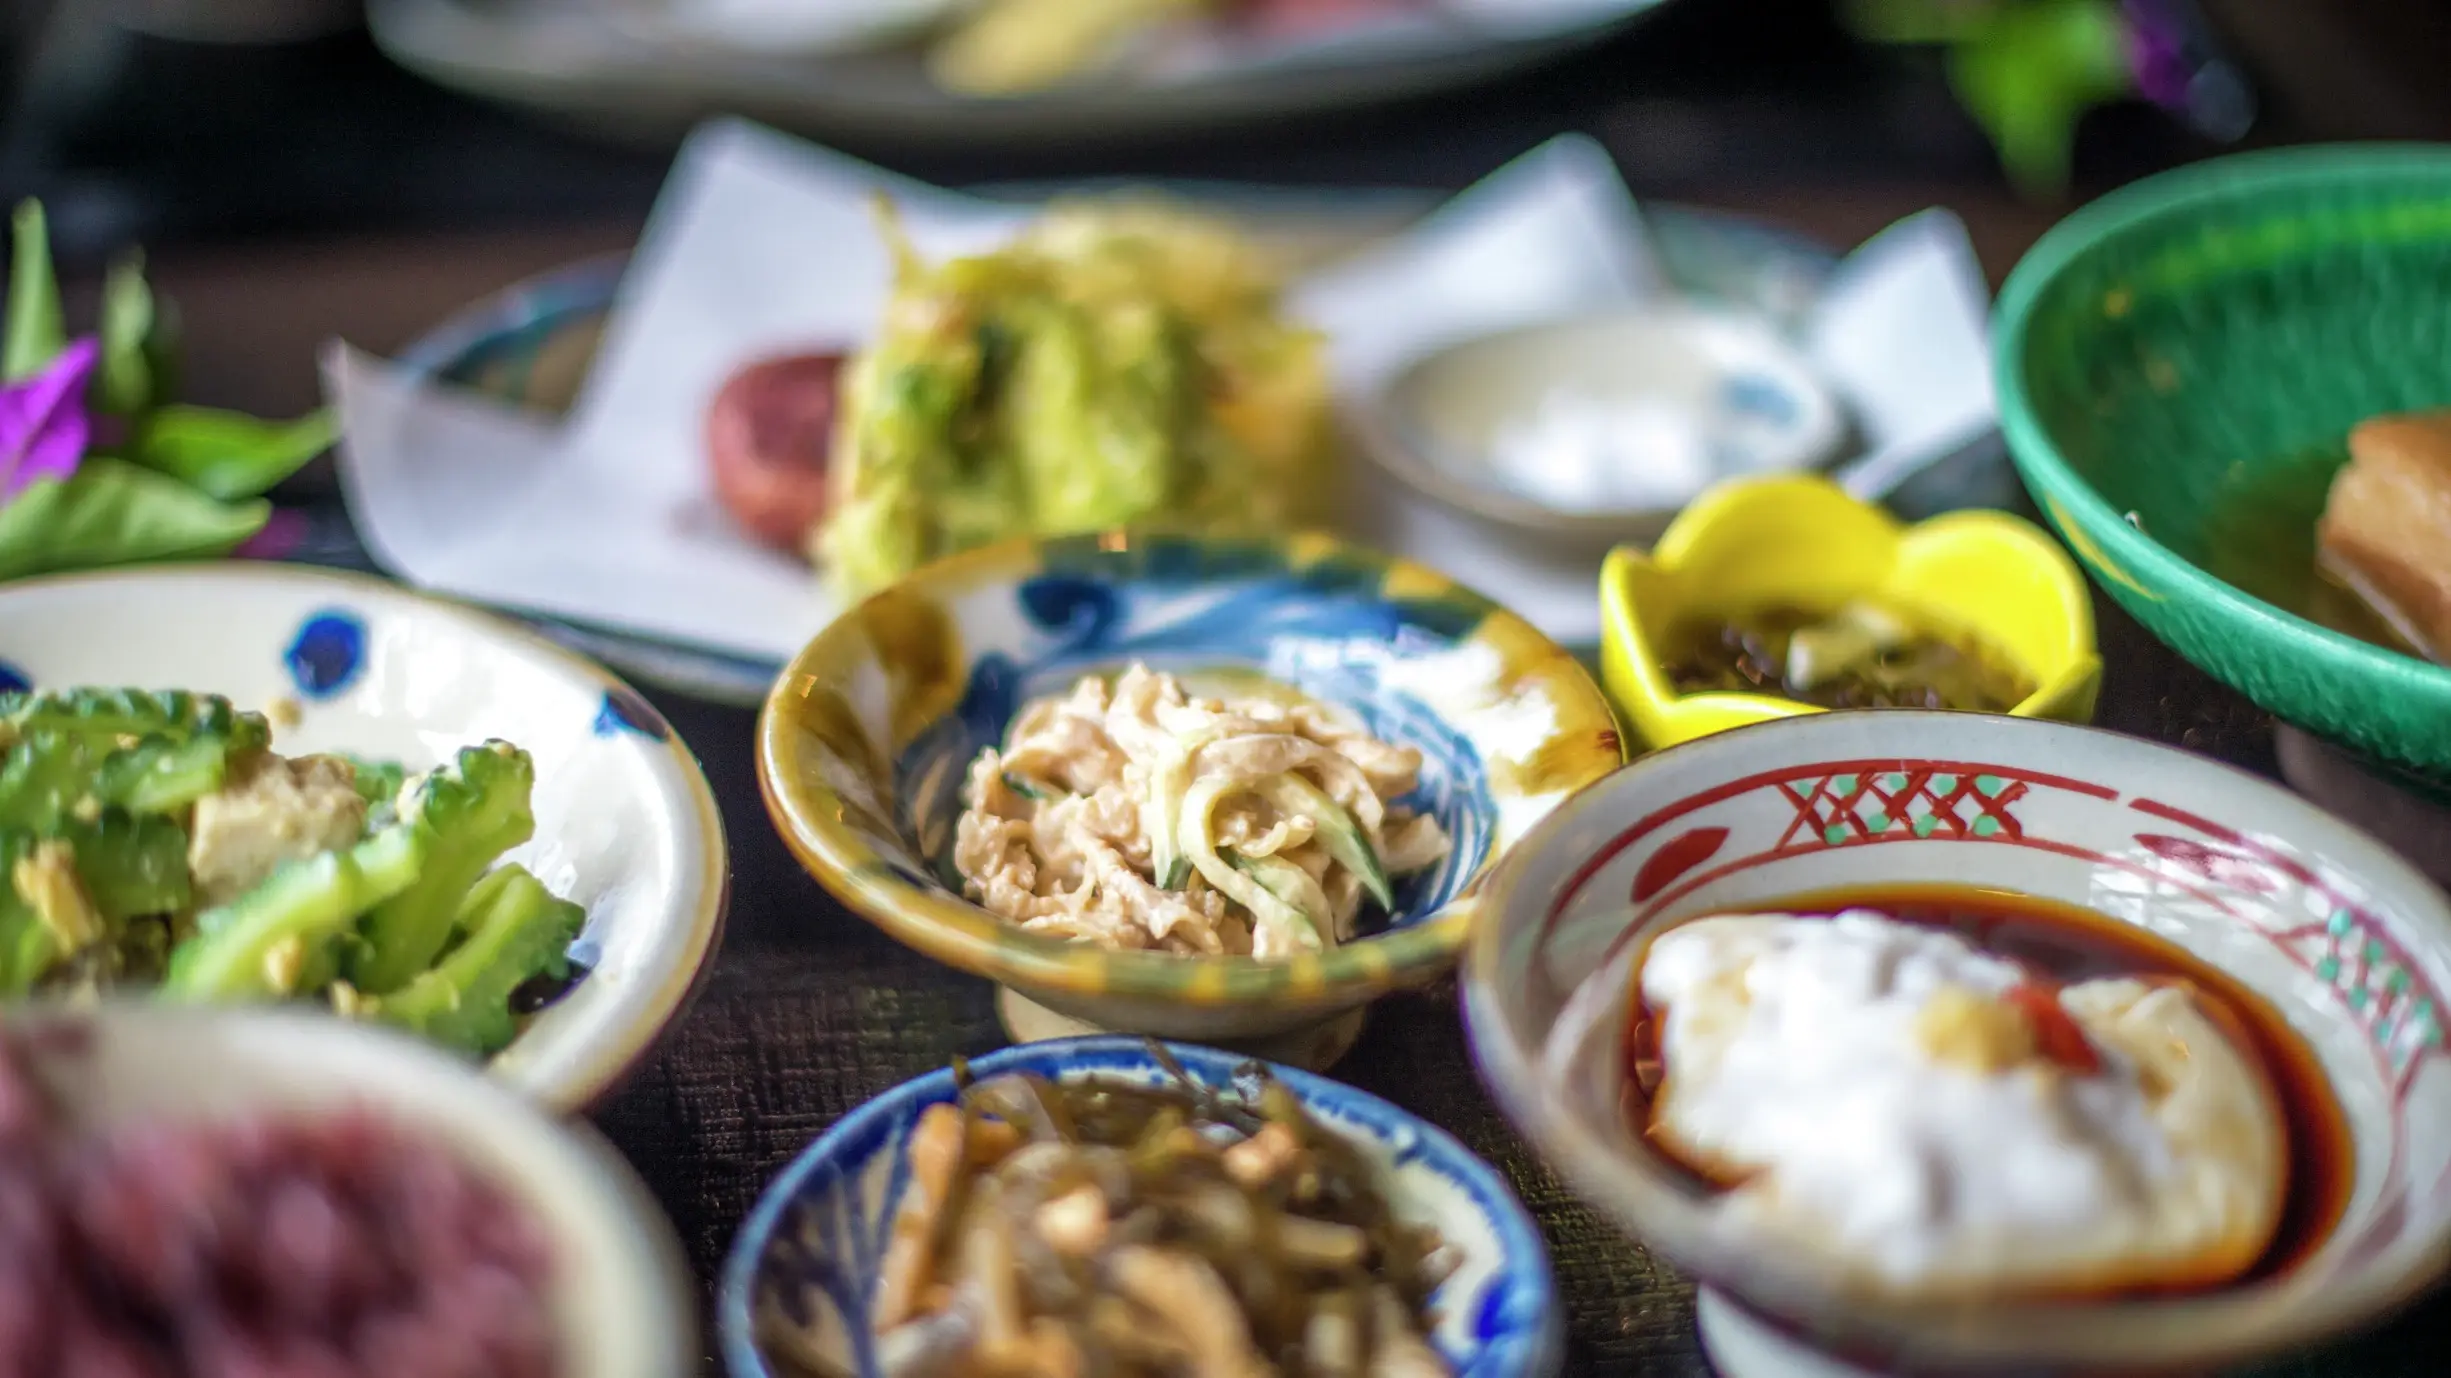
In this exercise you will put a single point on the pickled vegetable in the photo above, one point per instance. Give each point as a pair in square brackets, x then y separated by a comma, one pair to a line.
[1109, 1227]
[1861, 656]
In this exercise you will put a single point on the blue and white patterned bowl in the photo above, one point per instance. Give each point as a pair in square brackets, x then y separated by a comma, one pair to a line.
[816, 1240]
[625, 823]
[867, 734]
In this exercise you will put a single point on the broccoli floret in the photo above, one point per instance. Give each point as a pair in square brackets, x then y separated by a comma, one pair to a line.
[268, 942]
[515, 931]
[468, 814]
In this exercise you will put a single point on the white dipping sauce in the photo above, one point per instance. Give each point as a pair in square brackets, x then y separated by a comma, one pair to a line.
[1577, 452]
[1884, 1105]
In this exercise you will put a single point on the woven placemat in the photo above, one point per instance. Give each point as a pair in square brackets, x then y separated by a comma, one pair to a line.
[809, 1011]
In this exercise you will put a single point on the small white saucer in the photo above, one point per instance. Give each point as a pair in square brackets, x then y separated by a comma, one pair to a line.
[1742, 394]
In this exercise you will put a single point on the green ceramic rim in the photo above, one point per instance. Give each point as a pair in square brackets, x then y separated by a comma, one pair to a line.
[2237, 180]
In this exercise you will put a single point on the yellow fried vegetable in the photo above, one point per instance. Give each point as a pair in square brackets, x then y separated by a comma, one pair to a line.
[1012, 47]
[1116, 364]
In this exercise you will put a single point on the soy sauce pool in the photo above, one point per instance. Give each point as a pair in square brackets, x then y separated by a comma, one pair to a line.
[2063, 944]
[2259, 538]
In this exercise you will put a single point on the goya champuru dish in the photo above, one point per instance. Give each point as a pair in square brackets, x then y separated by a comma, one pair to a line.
[1139, 814]
[1973, 1097]
[157, 838]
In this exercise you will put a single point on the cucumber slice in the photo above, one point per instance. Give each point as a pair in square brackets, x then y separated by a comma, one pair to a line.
[1293, 904]
[1339, 832]
[1030, 789]
[1162, 812]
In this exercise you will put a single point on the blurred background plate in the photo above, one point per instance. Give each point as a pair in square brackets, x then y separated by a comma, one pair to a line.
[533, 343]
[622, 1301]
[592, 62]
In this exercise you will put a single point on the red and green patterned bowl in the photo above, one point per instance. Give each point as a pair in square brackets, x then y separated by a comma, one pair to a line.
[2179, 365]
[2347, 942]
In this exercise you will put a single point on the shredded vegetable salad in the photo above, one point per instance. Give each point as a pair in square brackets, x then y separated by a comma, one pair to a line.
[1138, 815]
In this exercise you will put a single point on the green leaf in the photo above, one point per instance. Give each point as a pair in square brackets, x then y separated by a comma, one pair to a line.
[228, 455]
[124, 385]
[2032, 73]
[35, 332]
[114, 513]
[162, 363]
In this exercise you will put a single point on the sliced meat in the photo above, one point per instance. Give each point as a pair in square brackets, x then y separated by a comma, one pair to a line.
[2386, 530]
[769, 432]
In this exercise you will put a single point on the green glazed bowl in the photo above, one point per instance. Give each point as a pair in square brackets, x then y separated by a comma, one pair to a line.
[2179, 365]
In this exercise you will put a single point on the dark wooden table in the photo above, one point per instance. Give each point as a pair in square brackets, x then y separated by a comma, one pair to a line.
[809, 1011]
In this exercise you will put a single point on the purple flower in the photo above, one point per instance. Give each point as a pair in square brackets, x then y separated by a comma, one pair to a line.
[2157, 54]
[43, 424]
[284, 532]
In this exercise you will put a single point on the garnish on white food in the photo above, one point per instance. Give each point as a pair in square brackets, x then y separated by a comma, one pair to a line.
[1938, 1124]
[1139, 815]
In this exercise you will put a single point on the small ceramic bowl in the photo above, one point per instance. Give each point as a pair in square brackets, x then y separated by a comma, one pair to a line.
[2347, 943]
[1713, 393]
[1801, 540]
[623, 1300]
[813, 1245]
[625, 824]
[865, 740]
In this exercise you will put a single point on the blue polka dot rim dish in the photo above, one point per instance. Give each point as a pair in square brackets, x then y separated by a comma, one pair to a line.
[864, 739]
[815, 1242]
[625, 823]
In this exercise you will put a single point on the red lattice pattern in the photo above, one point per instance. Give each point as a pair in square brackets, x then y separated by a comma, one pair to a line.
[1859, 807]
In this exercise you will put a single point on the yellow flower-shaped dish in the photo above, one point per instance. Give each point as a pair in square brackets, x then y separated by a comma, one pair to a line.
[1800, 540]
